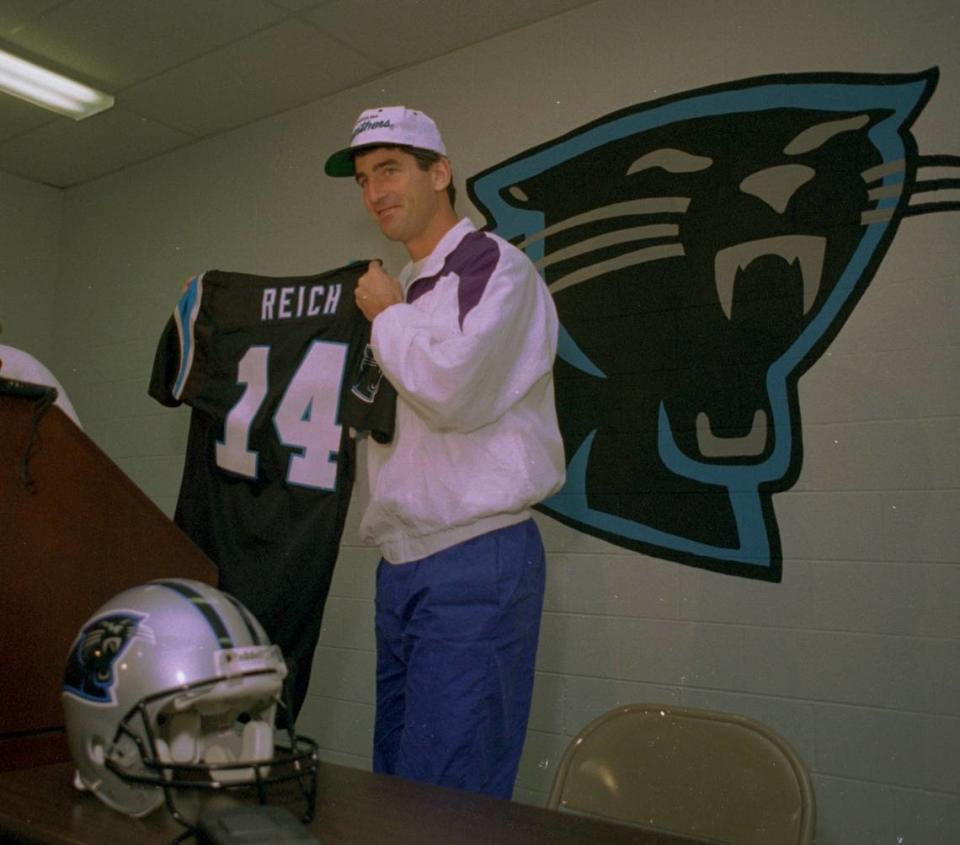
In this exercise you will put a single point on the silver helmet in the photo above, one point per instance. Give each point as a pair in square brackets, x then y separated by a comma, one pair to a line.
[172, 685]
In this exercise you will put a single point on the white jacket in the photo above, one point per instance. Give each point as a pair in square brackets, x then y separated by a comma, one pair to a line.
[471, 354]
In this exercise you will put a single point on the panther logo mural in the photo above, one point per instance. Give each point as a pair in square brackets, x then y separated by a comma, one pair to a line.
[703, 251]
[91, 665]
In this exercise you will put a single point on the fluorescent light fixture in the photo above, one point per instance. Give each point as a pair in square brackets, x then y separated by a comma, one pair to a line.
[50, 90]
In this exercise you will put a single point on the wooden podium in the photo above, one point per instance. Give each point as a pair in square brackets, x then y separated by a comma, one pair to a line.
[73, 537]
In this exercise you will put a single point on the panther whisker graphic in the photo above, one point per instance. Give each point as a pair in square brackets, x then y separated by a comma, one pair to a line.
[656, 205]
[932, 161]
[930, 207]
[921, 186]
[885, 191]
[882, 191]
[935, 185]
[878, 215]
[874, 174]
[628, 259]
[619, 236]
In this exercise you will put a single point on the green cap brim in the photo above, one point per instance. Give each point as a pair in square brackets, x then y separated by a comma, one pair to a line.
[340, 163]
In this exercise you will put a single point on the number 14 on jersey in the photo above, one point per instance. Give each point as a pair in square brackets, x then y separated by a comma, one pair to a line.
[305, 419]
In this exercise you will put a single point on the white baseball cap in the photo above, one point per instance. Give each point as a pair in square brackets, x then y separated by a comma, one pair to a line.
[390, 125]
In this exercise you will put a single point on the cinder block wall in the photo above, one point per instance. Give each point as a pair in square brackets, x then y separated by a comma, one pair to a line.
[854, 656]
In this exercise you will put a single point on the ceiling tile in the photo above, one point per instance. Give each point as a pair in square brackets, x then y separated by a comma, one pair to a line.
[413, 30]
[65, 152]
[15, 13]
[273, 70]
[17, 116]
[192, 68]
[120, 42]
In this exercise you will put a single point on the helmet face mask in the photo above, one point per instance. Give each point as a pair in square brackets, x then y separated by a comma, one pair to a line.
[172, 687]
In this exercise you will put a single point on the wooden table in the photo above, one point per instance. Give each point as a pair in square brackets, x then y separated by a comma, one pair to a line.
[353, 806]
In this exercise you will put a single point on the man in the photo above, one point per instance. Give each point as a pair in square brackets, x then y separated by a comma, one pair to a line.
[467, 335]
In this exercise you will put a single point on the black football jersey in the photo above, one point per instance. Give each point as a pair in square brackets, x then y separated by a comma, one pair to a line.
[278, 373]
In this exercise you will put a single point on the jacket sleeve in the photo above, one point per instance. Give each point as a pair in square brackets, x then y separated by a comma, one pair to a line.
[461, 376]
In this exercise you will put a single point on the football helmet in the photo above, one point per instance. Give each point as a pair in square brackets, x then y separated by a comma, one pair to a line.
[174, 685]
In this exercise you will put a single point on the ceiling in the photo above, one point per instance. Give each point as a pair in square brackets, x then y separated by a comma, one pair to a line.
[182, 70]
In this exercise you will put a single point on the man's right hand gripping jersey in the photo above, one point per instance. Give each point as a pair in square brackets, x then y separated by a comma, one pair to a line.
[277, 372]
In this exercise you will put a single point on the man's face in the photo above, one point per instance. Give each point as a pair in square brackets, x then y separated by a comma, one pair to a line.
[401, 197]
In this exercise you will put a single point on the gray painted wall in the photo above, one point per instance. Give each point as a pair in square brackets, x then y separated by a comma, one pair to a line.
[854, 656]
[29, 249]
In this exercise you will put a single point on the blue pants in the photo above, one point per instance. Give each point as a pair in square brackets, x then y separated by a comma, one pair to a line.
[456, 646]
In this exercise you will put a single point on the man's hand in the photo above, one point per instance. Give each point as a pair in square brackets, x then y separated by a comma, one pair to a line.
[377, 291]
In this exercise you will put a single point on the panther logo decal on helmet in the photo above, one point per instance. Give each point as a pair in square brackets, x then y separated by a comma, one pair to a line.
[91, 666]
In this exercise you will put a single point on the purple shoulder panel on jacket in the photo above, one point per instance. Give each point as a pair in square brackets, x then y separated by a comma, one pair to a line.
[473, 260]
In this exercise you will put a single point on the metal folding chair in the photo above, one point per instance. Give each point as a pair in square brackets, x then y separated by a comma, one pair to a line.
[713, 775]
